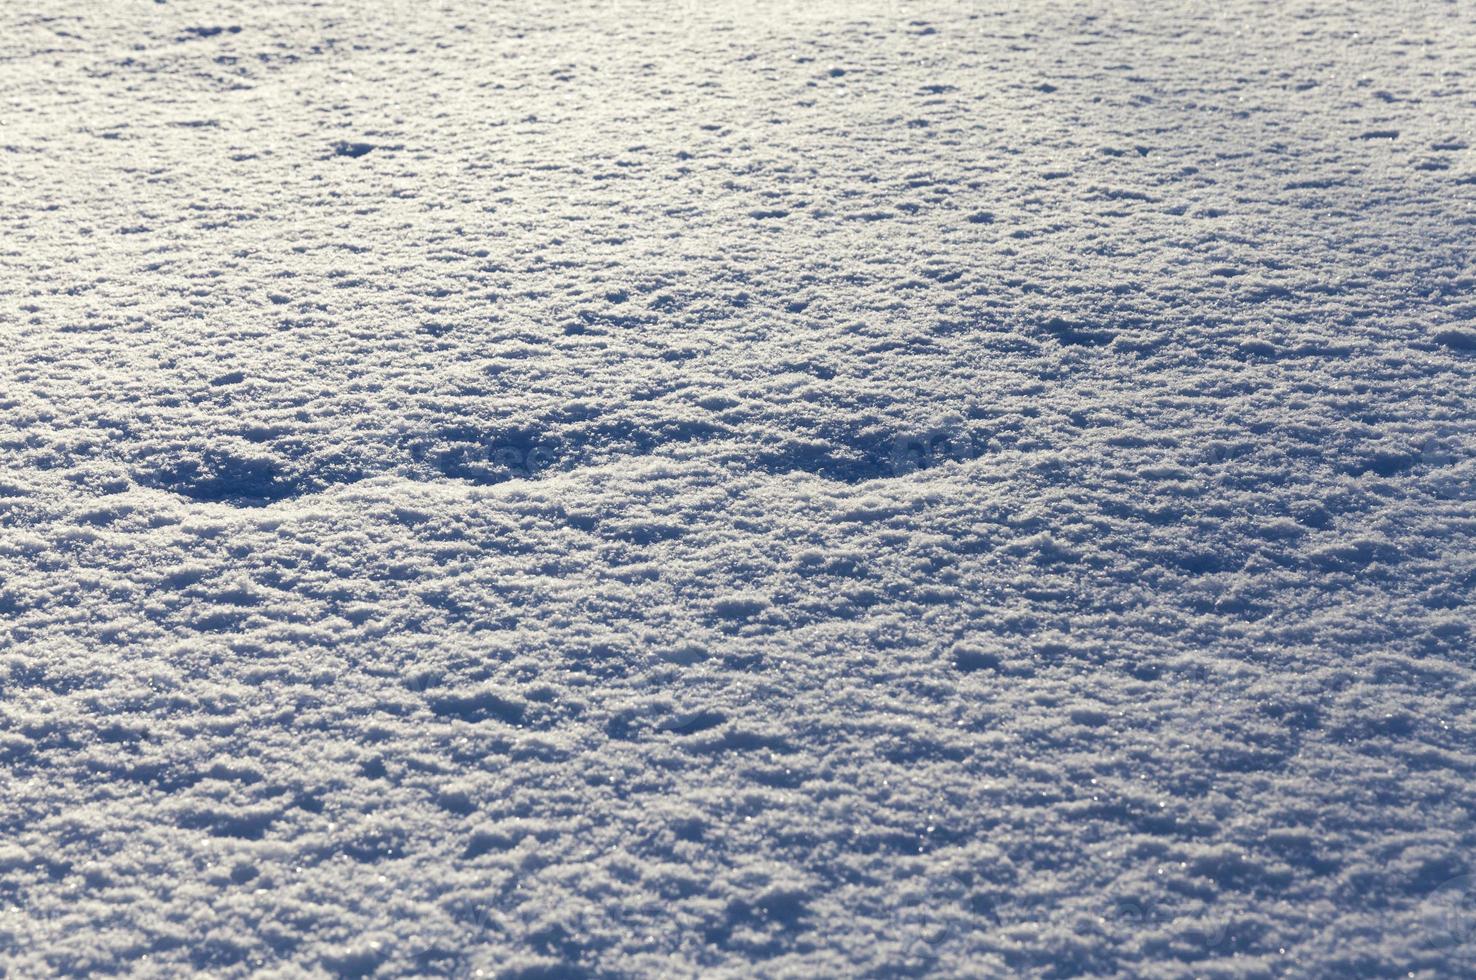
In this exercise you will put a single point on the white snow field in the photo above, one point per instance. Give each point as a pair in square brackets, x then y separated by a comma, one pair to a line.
[602, 489]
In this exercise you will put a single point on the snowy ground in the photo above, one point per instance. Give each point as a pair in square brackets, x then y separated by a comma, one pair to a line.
[844, 488]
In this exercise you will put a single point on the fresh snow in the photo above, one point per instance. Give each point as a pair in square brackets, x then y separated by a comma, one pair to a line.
[845, 488]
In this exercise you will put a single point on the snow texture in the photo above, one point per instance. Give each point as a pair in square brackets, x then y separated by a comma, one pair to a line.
[853, 488]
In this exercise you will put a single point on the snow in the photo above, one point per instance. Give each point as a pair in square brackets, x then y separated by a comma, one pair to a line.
[627, 488]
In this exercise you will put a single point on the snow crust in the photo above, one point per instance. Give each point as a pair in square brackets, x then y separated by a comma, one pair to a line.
[620, 488]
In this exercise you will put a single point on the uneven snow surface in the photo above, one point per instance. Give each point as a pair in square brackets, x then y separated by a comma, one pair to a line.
[847, 488]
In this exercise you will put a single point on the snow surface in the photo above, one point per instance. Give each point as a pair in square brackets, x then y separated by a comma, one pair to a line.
[846, 488]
